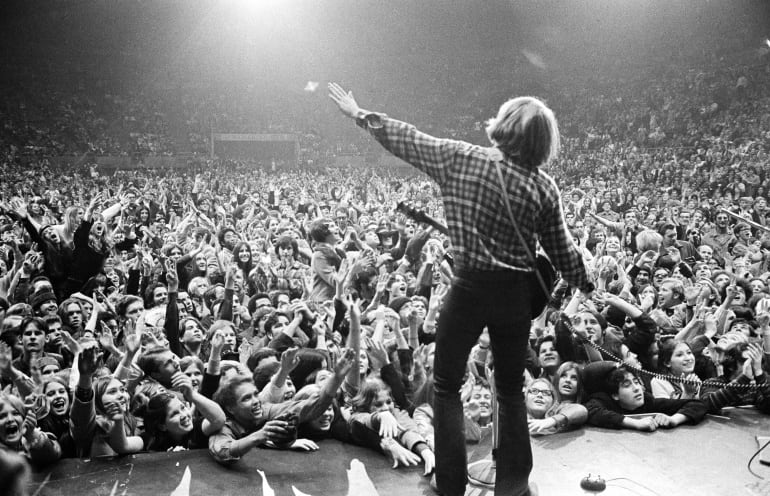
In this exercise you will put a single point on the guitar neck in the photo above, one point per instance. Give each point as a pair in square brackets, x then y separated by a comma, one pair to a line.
[420, 216]
[438, 226]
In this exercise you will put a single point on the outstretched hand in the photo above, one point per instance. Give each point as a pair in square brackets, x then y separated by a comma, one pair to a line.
[344, 100]
[90, 360]
[290, 359]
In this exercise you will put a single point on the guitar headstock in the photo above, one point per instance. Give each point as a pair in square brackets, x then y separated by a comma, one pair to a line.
[411, 212]
[406, 209]
[420, 216]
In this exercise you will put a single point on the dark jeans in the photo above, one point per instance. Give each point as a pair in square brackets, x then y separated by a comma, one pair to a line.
[501, 302]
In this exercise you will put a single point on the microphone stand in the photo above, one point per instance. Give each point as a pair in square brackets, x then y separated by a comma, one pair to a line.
[482, 472]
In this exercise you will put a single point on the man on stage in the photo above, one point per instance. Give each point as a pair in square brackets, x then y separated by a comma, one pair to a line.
[492, 267]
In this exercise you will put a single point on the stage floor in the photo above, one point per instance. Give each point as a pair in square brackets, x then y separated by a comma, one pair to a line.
[709, 459]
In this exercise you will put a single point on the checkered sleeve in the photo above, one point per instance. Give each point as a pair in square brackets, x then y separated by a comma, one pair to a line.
[557, 241]
[427, 153]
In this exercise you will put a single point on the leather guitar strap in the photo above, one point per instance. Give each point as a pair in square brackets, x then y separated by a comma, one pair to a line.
[532, 259]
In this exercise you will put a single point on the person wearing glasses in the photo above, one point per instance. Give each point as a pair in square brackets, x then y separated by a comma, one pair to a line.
[546, 414]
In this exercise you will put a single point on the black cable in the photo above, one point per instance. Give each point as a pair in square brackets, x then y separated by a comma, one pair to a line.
[633, 481]
[626, 488]
[748, 465]
[667, 377]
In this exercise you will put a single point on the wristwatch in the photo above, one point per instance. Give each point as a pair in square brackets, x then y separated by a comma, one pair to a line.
[369, 119]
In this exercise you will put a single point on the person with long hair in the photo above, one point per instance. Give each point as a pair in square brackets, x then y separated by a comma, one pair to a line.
[244, 259]
[57, 253]
[675, 359]
[492, 265]
[57, 422]
[546, 414]
[374, 411]
[100, 421]
[73, 216]
[19, 431]
[172, 424]
[250, 424]
[568, 382]
[474, 410]
[290, 274]
[622, 394]
[196, 289]
[93, 245]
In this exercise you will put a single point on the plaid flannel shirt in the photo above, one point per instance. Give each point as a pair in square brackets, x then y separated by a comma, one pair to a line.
[481, 233]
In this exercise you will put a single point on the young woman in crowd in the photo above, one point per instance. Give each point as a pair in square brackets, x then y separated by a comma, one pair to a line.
[19, 431]
[57, 422]
[171, 424]
[568, 382]
[374, 411]
[546, 413]
[477, 409]
[100, 421]
[250, 424]
[92, 245]
[207, 355]
[676, 359]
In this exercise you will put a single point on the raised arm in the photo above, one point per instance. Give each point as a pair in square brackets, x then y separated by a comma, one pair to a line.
[171, 324]
[88, 216]
[213, 415]
[83, 410]
[111, 211]
[429, 154]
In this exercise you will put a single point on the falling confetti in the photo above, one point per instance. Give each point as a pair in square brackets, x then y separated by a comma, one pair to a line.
[183, 489]
[266, 489]
[359, 483]
[311, 86]
[114, 489]
[533, 58]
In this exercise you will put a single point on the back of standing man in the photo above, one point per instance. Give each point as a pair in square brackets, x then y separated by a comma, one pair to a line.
[492, 268]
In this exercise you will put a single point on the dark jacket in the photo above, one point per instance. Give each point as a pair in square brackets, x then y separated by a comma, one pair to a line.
[603, 411]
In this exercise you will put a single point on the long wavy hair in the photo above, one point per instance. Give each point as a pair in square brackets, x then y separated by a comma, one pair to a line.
[566, 367]
[554, 393]
[367, 393]
[153, 410]
[71, 222]
[58, 379]
[100, 387]
[247, 266]
[100, 243]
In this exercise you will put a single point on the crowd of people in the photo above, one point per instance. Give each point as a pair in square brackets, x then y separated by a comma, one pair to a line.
[238, 309]
[680, 108]
[231, 307]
